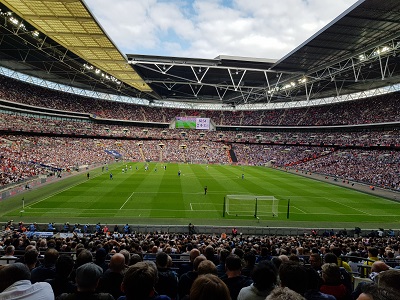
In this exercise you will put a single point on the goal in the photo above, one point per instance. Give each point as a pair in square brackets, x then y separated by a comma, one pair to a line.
[250, 206]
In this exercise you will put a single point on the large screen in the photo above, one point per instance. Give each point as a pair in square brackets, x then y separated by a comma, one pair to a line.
[192, 123]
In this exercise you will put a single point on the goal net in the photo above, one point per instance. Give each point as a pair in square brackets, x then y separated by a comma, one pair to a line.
[250, 205]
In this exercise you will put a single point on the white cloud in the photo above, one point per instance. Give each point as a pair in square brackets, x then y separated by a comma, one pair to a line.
[208, 28]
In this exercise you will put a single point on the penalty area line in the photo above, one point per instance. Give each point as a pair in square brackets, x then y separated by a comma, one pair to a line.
[126, 201]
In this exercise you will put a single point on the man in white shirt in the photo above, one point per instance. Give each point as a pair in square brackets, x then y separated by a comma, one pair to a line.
[8, 257]
[15, 284]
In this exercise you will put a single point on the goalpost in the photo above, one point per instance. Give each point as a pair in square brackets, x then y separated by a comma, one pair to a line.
[250, 206]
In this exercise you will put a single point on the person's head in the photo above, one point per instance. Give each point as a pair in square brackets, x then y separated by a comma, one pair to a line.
[233, 263]
[239, 252]
[315, 261]
[209, 252]
[100, 255]
[373, 252]
[31, 257]
[193, 254]
[209, 287]
[11, 273]
[331, 274]
[127, 255]
[314, 279]
[64, 265]
[162, 260]
[223, 254]
[294, 276]
[197, 262]
[139, 280]
[379, 266]
[206, 267]
[50, 257]
[354, 257]
[87, 277]
[85, 256]
[250, 259]
[277, 262]
[117, 263]
[330, 258]
[389, 280]
[374, 292]
[135, 258]
[336, 251]
[284, 293]
[264, 275]
[10, 249]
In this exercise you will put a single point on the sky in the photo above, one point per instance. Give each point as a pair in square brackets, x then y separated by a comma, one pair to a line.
[267, 29]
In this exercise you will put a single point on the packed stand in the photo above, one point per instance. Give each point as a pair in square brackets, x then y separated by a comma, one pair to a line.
[372, 110]
[118, 264]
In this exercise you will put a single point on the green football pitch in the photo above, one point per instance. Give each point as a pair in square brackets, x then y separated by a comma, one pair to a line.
[161, 196]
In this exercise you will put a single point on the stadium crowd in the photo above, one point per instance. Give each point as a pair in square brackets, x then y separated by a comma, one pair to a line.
[372, 110]
[98, 262]
[24, 156]
[34, 124]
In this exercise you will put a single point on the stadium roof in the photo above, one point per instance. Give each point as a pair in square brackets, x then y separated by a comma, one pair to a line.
[356, 52]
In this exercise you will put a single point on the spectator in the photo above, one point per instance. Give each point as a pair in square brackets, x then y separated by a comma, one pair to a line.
[265, 277]
[284, 293]
[139, 282]
[31, 258]
[48, 269]
[167, 283]
[186, 280]
[61, 283]
[233, 278]
[15, 284]
[250, 261]
[345, 277]
[87, 278]
[100, 259]
[294, 276]
[332, 284]
[110, 281]
[223, 254]
[206, 267]
[312, 291]
[8, 256]
[209, 287]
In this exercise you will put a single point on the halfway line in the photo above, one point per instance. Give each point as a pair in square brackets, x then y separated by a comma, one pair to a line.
[126, 200]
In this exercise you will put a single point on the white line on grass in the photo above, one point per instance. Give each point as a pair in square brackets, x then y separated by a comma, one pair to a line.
[59, 192]
[348, 206]
[109, 210]
[299, 209]
[126, 201]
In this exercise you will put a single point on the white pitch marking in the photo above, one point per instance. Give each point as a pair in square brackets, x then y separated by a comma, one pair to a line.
[299, 209]
[348, 206]
[126, 201]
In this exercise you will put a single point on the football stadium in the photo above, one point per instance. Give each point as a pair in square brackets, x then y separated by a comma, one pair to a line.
[113, 150]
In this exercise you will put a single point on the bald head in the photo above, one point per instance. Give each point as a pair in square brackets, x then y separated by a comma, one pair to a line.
[117, 263]
[379, 266]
